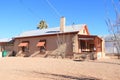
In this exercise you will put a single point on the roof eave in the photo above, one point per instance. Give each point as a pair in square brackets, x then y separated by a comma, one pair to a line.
[74, 32]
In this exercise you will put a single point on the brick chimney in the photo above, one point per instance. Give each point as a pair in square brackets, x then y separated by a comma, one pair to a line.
[62, 24]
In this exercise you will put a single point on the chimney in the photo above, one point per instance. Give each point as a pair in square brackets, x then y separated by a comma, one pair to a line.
[62, 24]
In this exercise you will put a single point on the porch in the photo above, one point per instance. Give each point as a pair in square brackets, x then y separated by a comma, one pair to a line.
[89, 47]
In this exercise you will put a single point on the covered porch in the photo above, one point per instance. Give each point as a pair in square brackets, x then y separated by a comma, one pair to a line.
[89, 46]
[88, 43]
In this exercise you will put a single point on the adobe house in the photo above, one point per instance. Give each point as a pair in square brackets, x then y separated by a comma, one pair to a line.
[6, 45]
[76, 38]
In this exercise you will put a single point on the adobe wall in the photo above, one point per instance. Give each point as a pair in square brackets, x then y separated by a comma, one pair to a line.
[51, 43]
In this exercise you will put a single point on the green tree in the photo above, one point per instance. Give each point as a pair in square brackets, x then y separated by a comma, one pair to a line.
[42, 25]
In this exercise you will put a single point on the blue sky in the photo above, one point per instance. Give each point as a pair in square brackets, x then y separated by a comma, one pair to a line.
[17, 16]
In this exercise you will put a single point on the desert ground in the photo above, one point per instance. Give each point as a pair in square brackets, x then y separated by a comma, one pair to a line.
[19, 68]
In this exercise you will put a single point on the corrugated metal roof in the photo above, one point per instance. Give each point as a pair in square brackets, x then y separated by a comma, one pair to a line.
[54, 30]
[5, 40]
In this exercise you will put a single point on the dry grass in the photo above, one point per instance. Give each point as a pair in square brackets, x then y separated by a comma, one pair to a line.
[58, 69]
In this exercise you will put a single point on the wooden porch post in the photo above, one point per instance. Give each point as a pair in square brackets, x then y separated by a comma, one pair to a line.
[103, 48]
[95, 45]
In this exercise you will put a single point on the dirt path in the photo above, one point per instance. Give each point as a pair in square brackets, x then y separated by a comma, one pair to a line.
[58, 69]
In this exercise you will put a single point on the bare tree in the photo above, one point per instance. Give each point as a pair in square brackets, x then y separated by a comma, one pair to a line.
[114, 25]
[61, 43]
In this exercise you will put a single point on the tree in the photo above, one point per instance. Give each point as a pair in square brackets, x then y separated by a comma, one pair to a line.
[114, 25]
[42, 25]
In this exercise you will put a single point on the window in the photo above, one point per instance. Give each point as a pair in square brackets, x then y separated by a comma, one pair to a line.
[24, 46]
[42, 45]
[83, 31]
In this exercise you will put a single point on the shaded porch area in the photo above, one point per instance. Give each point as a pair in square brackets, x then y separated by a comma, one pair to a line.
[89, 47]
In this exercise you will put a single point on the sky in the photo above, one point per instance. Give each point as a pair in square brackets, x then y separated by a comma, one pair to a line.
[17, 16]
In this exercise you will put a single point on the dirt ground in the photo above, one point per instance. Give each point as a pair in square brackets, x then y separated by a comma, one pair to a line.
[12, 68]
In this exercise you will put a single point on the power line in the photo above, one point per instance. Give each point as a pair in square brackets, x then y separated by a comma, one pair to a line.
[54, 9]
[29, 9]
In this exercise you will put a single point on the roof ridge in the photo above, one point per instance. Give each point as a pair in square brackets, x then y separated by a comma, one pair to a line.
[51, 30]
[54, 27]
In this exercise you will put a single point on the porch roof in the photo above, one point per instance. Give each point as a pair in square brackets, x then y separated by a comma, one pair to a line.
[5, 40]
[88, 37]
